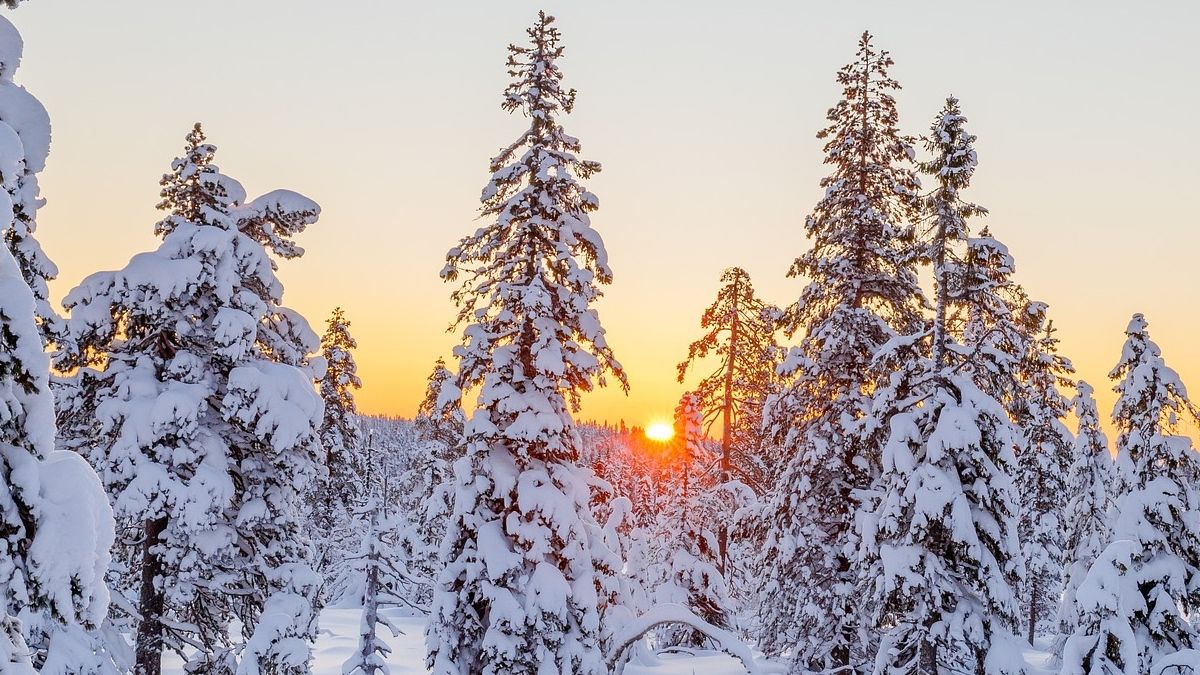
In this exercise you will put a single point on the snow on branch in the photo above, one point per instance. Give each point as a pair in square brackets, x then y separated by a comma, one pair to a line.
[665, 614]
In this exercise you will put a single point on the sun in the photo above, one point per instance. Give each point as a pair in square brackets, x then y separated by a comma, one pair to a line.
[660, 431]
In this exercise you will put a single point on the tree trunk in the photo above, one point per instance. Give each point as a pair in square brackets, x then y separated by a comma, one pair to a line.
[1035, 599]
[727, 428]
[149, 641]
[928, 658]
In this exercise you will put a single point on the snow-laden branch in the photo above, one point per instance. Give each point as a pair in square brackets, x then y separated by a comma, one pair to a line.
[665, 614]
[1182, 662]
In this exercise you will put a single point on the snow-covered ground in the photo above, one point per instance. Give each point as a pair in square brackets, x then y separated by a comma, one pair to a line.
[339, 637]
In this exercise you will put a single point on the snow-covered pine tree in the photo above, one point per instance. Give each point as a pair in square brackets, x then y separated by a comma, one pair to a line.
[1157, 513]
[528, 576]
[440, 416]
[740, 333]
[27, 126]
[339, 428]
[1044, 457]
[863, 290]
[952, 166]
[1103, 641]
[429, 495]
[335, 494]
[56, 527]
[940, 551]
[192, 398]
[1086, 515]
[383, 582]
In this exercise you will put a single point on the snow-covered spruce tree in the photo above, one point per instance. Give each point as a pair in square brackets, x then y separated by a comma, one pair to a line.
[1103, 641]
[56, 527]
[429, 493]
[863, 290]
[339, 428]
[1157, 512]
[951, 168]
[335, 495]
[1044, 458]
[939, 546]
[193, 400]
[383, 582]
[528, 576]
[1086, 515]
[27, 125]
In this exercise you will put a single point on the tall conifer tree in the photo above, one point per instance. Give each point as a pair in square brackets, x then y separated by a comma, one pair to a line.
[740, 334]
[739, 331]
[192, 397]
[940, 545]
[1134, 605]
[863, 291]
[1087, 513]
[528, 574]
[1038, 408]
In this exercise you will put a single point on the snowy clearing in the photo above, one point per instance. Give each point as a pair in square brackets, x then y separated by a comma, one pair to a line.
[339, 637]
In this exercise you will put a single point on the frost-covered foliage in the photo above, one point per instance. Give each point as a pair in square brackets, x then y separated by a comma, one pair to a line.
[1007, 346]
[339, 428]
[429, 479]
[952, 165]
[1087, 513]
[941, 545]
[941, 560]
[1046, 445]
[24, 146]
[863, 290]
[192, 397]
[383, 582]
[1105, 640]
[56, 527]
[1140, 612]
[338, 490]
[985, 314]
[528, 574]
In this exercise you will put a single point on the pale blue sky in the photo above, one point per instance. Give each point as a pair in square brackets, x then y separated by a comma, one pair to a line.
[702, 113]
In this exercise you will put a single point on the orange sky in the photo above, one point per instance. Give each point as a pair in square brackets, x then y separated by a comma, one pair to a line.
[703, 116]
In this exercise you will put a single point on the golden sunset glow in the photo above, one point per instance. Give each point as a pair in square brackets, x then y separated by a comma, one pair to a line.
[1069, 230]
[660, 431]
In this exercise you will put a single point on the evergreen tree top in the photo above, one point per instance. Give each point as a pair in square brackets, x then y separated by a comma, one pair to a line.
[536, 87]
[739, 329]
[952, 166]
[862, 228]
[532, 271]
[337, 333]
[1151, 396]
[341, 372]
[192, 190]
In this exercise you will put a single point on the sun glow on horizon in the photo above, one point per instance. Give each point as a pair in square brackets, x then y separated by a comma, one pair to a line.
[660, 431]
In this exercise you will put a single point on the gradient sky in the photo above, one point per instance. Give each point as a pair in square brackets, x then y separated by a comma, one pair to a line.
[702, 114]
